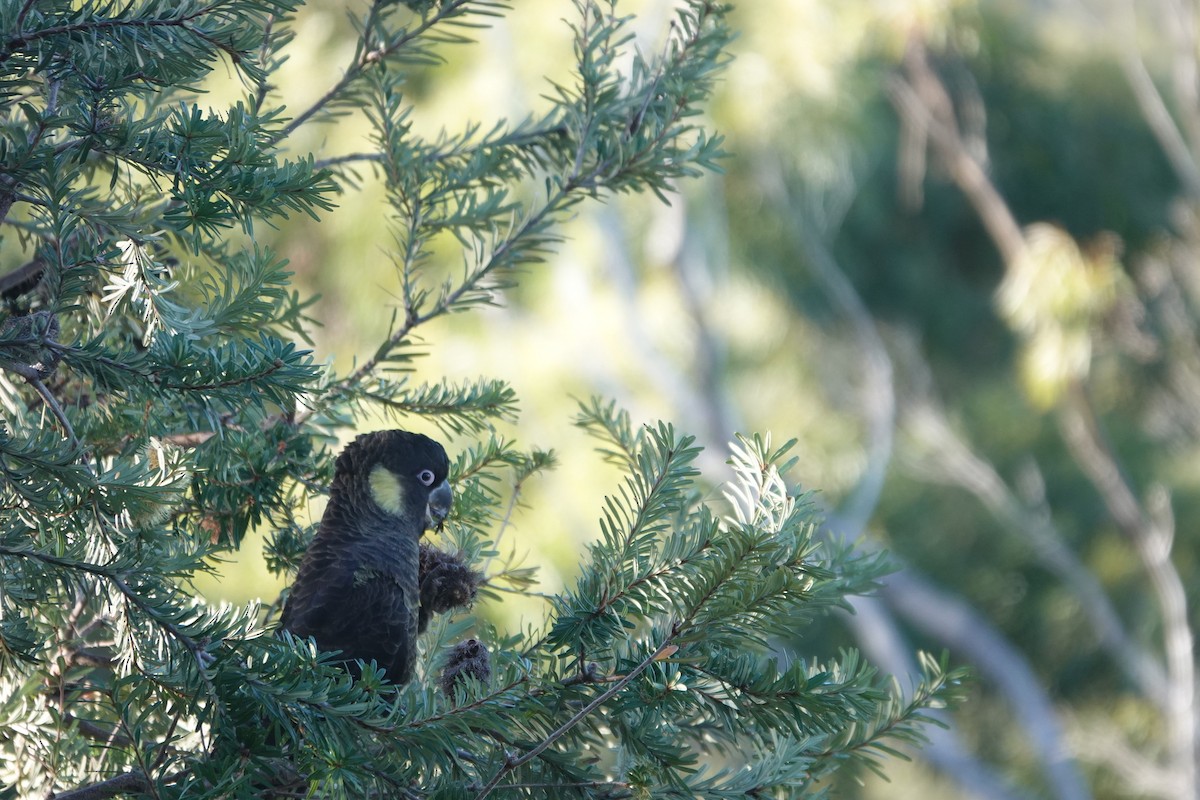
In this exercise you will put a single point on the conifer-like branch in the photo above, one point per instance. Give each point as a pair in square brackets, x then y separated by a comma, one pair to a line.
[511, 764]
[371, 53]
[119, 583]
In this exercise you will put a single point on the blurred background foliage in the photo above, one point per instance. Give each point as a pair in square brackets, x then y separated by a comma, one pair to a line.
[739, 306]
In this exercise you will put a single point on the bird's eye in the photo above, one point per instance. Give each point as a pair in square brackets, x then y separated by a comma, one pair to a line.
[425, 476]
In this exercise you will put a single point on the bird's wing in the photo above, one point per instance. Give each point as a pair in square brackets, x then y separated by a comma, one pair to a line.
[384, 622]
[323, 574]
[347, 604]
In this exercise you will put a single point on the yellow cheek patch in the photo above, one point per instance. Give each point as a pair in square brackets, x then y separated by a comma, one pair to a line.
[386, 490]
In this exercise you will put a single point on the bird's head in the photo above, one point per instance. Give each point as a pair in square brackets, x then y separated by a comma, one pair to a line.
[405, 473]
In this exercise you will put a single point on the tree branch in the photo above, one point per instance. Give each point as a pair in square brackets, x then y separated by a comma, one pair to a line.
[125, 783]
[101, 571]
[133, 782]
[511, 764]
[1152, 543]
[925, 95]
[91, 26]
[965, 631]
[367, 57]
[950, 460]
[25, 277]
[923, 101]
[1179, 24]
[414, 317]
[874, 623]
[879, 636]
[1162, 125]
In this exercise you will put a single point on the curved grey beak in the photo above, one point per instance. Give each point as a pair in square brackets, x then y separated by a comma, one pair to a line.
[439, 505]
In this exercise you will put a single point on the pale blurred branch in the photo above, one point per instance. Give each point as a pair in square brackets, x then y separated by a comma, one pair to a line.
[1151, 537]
[1158, 117]
[877, 399]
[1172, 287]
[1104, 745]
[875, 626]
[697, 397]
[1180, 142]
[912, 154]
[954, 623]
[879, 636]
[349, 158]
[941, 454]
[1179, 23]
[921, 100]
[874, 622]
[690, 264]
[922, 94]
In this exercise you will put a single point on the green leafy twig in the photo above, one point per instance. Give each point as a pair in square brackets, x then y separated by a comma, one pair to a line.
[511, 763]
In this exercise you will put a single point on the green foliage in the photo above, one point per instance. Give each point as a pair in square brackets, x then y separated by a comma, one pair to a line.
[158, 408]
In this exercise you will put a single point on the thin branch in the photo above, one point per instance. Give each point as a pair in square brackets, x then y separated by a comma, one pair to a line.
[930, 108]
[1104, 746]
[92, 26]
[1154, 109]
[506, 520]
[101, 571]
[7, 198]
[25, 8]
[134, 782]
[125, 783]
[879, 636]
[414, 318]
[1152, 543]
[1179, 24]
[511, 764]
[951, 460]
[109, 737]
[57, 410]
[923, 99]
[967, 632]
[925, 95]
[349, 158]
[874, 623]
[878, 395]
[271, 368]
[367, 57]
[655, 366]
[561, 787]
[189, 440]
[260, 93]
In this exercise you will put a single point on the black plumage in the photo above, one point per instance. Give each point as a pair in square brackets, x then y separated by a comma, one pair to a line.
[359, 586]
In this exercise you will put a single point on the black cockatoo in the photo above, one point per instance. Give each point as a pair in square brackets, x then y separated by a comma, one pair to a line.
[367, 585]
